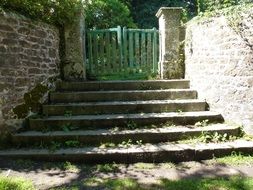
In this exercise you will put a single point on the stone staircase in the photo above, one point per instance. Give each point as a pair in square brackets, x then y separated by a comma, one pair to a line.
[125, 122]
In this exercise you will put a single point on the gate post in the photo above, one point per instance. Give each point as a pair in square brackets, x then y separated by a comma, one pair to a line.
[169, 37]
[74, 49]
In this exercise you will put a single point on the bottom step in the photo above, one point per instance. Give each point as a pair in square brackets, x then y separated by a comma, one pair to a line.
[143, 153]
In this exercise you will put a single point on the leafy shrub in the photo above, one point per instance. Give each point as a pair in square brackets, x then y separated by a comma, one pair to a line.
[107, 14]
[55, 12]
[211, 5]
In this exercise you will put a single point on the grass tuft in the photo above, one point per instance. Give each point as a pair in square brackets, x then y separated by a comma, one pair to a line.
[9, 183]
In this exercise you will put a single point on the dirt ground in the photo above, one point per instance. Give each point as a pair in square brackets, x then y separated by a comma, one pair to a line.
[47, 175]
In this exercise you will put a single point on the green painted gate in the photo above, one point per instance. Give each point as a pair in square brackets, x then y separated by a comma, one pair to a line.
[116, 51]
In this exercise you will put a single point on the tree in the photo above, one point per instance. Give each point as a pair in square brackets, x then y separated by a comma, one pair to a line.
[108, 14]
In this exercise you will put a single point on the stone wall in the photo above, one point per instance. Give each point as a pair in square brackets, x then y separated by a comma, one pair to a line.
[219, 63]
[29, 57]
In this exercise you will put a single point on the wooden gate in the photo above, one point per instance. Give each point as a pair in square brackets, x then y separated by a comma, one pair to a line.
[117, 51]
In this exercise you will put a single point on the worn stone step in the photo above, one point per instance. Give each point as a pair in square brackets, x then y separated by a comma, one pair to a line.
[161, 152]
[131, 95]
[151, 106]
[123, 85]
[96, 137]
[113, 120]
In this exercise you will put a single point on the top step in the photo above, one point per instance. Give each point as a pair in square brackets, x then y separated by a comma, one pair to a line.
[123, 85]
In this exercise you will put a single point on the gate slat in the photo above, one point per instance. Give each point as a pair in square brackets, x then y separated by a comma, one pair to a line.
[114, 54]
[125, 53]
[95, 60]
[90, 60]
[143, 51]
[108, 52]
[149, 52]
[100, 53]
[120, 48]
[155, 65]
[131, 50]
[137, 50]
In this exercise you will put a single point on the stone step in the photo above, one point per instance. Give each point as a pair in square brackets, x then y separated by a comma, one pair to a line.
[98, 136]
[161, 152]
[123, 120]
[151, 106]
[123, 85]
[130, 95]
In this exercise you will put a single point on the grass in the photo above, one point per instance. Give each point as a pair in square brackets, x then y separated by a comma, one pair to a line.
[10, 183]
[107, 168]
[235, 159]
[232, 183]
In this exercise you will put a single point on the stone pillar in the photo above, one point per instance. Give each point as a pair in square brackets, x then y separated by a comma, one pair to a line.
[74, 59]
[169, 30]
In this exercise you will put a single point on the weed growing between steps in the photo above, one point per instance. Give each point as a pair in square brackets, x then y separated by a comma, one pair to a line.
[129, 125]
[209, 137]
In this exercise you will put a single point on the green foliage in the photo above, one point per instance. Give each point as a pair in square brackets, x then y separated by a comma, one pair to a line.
[144, 11]
[235, 159]
[7, 183]
[203, 123]
[233, 183]
[106, 168]
[211, 5]
[56, 12]
[108, 14]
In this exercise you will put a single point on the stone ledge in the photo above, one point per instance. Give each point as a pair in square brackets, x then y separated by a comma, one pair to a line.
[174, 9]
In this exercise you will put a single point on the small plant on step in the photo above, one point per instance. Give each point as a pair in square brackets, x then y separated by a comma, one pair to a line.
[139, 142]
[168, 124]
[215, 137]
[131, 125]
[180, 112]
[54, 146]
[72, 144]
[68, 113]
[68, 127]
[203, 123]
[144, 86]
[115, 129]
[107, 145]
[126, 144]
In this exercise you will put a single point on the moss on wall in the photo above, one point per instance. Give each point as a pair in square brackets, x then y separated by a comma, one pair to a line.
[31, 101]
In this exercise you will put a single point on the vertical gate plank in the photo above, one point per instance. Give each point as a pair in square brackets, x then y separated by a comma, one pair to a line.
[149, 51]
[120, 47]
[155, 60]
[101, 52]
[137, 50]
[114, 53]
[95, 60]
[108, 52]
[125, 55]
[90, 47]
[143, 51]
[131, 50]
